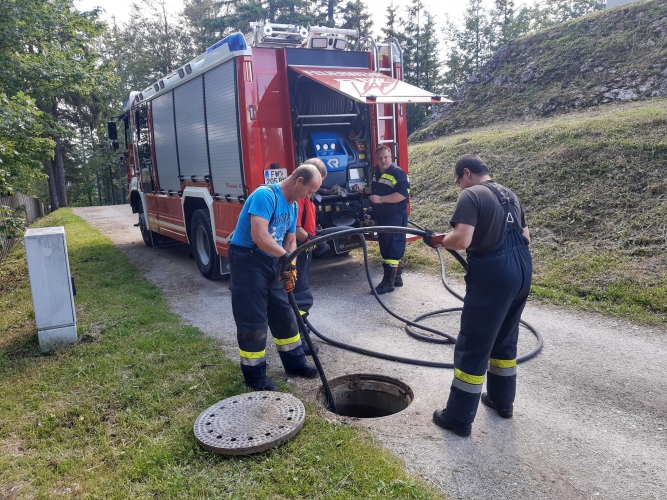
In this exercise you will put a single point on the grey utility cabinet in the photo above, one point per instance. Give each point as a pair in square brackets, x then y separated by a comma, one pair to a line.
[51, 284]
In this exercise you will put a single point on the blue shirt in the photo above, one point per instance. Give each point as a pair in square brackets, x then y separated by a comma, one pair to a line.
[268, 203]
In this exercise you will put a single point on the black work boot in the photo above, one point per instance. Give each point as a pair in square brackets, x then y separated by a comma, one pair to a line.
[398, 280]
[387, 283]
[295, 363]
[443, 420]
[307, 370]
[255, 378]
[503, 411]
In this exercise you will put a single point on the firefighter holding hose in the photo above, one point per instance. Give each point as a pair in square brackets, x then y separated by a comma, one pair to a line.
[489, 224]
[264, 236]
[389, 195]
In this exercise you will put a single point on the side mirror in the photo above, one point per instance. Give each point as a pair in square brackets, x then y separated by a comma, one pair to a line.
[113, 132]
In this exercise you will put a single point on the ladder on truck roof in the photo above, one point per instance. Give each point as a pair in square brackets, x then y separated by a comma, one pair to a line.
[395, 54]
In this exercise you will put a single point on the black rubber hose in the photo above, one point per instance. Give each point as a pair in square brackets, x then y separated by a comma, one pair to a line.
[448, 339]
[316, 359]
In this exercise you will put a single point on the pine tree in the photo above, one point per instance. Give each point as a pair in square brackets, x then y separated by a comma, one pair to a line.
[327, 12]
[468, 46]
[421, 64]
[503, 19]
[355, 16]
[393, 23]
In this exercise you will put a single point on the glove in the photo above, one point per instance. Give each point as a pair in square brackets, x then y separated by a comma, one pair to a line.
[288, 275]
[433, 240]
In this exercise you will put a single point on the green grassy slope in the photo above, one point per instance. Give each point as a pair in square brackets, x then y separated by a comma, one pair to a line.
[610, 56]
[594, 190]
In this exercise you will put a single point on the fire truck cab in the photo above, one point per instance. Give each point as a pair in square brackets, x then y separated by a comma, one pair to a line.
[246, 113]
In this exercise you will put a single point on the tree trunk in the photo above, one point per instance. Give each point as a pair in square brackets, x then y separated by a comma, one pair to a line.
[53, 191]
[99, 193]
[60, 173]
[111, 186]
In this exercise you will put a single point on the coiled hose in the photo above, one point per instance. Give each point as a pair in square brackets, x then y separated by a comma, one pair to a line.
[446, 338]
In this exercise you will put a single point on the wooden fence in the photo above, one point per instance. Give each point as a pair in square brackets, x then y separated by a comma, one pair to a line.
[34, 209]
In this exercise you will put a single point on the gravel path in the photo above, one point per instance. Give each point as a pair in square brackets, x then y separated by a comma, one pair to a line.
[590, 419]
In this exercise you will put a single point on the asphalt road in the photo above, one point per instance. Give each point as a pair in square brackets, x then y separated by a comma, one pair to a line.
[590, 418]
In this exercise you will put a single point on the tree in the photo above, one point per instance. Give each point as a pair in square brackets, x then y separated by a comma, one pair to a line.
[553, 12]
[421, 64]
[22, 145]
[327, 12]
[49, 51]
[392, 25]
[468, 46]
[355, 16]
[151, 45]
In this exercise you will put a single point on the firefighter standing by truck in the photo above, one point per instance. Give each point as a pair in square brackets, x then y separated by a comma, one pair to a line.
[264, 235]
[489, 223]
[306, 229]
[389, 195]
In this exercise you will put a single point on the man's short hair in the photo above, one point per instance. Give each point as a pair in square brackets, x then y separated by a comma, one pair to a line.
[473, 163]
[306, 172]
[382, 147]
[319, 164]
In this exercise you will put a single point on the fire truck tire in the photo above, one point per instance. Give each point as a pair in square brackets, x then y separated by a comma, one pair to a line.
[151, 238]
[203, 245]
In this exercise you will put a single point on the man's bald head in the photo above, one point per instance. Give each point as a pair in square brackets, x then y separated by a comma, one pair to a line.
[321, 167]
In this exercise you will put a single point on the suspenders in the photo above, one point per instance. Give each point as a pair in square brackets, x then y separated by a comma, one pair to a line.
[510, 216]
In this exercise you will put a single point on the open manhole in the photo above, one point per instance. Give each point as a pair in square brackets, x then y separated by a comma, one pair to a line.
[249, 423]
[364, 395]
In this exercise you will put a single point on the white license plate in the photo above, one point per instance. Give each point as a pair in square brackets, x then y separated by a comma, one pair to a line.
[274, 175]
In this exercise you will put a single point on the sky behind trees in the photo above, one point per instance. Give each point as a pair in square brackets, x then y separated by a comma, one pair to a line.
[121, 9]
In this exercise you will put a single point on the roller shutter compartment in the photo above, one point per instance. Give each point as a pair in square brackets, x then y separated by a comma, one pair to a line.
[223, 138]
[191, 129]
[165, 142]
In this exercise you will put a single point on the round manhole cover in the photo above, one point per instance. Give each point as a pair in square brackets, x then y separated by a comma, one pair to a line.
[249, 423]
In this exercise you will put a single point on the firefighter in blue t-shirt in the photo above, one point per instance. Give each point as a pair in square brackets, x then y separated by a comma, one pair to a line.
[265, 233]
[390, 191]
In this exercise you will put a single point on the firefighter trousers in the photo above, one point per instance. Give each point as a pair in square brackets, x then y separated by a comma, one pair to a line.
[497, 286]
[392, 245]
[259, 301]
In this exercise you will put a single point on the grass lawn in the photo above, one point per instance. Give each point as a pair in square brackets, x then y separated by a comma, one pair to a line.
[112, 416]
[593, 189]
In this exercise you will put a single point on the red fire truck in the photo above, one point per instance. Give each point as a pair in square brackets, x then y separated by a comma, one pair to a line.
[246, 113]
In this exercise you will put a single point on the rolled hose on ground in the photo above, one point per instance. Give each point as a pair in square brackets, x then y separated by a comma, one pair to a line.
[448, 339]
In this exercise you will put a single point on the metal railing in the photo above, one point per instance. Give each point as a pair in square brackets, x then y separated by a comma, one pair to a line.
[34, 209]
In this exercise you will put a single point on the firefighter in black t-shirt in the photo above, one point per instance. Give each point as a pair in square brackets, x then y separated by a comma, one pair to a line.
[390, 191]
[489, 223]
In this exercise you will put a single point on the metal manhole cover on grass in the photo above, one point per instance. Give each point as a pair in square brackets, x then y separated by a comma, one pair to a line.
[249, 423]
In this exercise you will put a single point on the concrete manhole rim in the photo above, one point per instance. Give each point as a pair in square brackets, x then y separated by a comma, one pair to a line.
[359, 381]
[249, 423]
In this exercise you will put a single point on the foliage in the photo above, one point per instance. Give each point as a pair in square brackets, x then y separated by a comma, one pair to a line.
[421, 64]
[393, 24]
[593, 189]
[22, 147]
[355, 16]
[111, 416]
[581, 64]
[12, 222]
[471, 43]
[49, 60]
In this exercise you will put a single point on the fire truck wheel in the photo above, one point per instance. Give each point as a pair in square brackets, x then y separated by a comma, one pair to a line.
[203, 245]
[150, 237]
